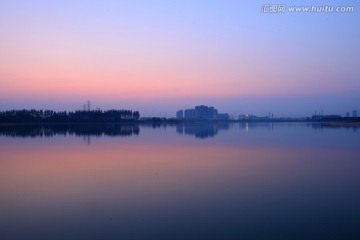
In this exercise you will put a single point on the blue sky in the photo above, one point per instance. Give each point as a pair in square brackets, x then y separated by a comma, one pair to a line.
[160, 56]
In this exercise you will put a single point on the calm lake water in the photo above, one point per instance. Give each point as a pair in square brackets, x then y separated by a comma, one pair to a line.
[199, 181]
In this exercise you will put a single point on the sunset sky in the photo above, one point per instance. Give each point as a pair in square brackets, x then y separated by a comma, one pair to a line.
[160, 56]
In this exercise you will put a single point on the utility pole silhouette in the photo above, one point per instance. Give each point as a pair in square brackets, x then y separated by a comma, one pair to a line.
[87, 106]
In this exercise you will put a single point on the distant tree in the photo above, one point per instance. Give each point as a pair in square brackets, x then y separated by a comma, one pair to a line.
[33, 115]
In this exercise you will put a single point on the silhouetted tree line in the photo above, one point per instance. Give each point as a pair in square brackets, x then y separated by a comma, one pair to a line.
[97, 130]
[77, 116]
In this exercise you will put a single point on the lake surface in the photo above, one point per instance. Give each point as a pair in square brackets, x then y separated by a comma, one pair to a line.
[197, 181]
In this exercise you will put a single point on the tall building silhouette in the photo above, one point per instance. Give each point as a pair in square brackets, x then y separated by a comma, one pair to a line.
[180, 114]
[203, 112]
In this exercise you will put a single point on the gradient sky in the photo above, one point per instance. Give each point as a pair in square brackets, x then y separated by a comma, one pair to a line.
[160, 56]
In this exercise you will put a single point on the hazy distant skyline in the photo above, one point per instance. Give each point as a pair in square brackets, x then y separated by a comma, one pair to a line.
[161, 56]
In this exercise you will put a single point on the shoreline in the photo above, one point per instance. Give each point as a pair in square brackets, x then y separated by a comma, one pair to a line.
[140, 122]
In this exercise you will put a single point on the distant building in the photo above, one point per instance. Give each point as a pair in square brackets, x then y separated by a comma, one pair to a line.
[205, 112]
[201, 112]
[253, 117]
[190, 114]
[325, 117]
[347, 114]
[354, 113]
[242, 116]
[221, 116]
[180, 114]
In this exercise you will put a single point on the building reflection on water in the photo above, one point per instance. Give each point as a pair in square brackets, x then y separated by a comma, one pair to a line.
[201, 130]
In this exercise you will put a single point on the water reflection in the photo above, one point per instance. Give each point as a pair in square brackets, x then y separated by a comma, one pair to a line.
[198, 130]
[252, 181]
[204, 130]
[81, 130]
[322, 126]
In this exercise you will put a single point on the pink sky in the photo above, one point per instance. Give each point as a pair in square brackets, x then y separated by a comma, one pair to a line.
[113, 52]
